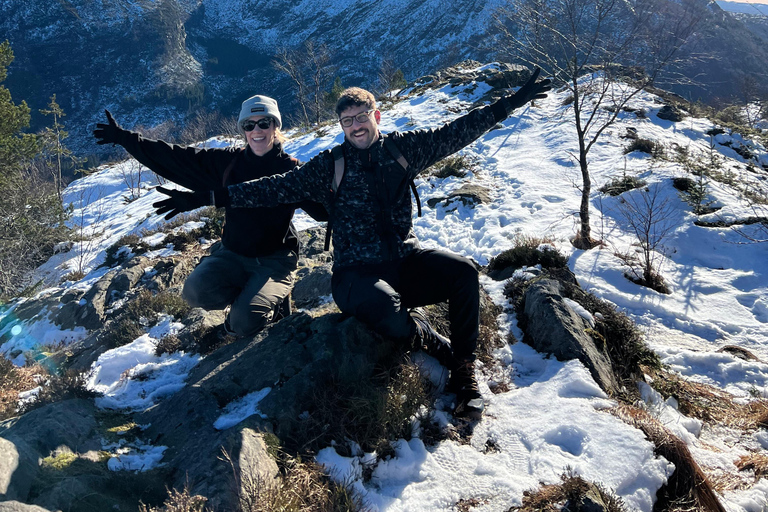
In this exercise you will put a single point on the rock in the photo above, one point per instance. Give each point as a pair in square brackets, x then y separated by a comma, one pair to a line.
[37, 434]
[126, 278]
[312, 245]
[554, 327]
[18, 466]
[88, 312]
[671, 113]
[15, 506]
[468, 195]
[311, 286]
[291, 358]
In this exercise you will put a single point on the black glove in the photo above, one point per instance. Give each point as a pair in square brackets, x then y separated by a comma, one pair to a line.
[110, 133]
[179, 201]
[532, 90]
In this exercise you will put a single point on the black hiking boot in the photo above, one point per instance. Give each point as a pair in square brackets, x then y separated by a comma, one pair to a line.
[469, 401]
[431, 341]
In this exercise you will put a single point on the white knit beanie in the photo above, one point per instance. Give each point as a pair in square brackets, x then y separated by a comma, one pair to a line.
[260, 106]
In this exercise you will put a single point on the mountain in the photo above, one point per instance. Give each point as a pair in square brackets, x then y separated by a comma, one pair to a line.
[152, 61]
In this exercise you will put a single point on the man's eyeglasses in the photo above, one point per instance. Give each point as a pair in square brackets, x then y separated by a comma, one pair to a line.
[249, 124]
[362, 117]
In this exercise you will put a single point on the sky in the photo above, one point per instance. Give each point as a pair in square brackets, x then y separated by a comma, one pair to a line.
[554, 415]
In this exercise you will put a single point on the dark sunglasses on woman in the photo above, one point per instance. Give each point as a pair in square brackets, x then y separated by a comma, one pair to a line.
[249, 124]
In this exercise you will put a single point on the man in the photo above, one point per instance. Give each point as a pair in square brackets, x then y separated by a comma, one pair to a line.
[251, 269]
[380, 274]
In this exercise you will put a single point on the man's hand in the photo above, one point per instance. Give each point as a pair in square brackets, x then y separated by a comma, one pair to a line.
[532, 90]
[179, 201]
[109, 133]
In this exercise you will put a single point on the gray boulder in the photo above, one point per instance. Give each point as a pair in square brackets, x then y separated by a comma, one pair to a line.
[88, 311]
[554, 327]
[24, 440]
[671, 113]
[469, 195]
[312, 284]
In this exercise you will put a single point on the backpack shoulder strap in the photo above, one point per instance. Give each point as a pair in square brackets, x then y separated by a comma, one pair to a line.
[390, 145]
[338, 173]
[338, 167]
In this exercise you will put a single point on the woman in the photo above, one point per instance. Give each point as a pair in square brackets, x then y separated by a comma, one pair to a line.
[251, 268]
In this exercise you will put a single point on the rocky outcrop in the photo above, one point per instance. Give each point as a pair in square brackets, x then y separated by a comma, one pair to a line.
[554, 327]
[469, 195]
[289, 360]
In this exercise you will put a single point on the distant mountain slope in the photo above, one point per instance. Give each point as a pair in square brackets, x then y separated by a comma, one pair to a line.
[150, 61]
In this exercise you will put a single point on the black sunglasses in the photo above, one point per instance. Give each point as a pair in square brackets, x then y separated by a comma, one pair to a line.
[249, 124]
[362, 117]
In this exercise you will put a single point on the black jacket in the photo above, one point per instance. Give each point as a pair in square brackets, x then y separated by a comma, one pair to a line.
[250, 232]
[371, 211]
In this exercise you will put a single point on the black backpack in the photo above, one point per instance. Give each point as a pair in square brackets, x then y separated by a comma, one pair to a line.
[338, 175]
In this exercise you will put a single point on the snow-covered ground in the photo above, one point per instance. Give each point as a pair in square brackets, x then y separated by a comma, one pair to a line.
[554, 415]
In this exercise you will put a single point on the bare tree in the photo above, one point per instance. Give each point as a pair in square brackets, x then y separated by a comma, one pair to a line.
[131, 171]
[604, 52]
[310, 70]
[390, 77]
[90, 211]
[649, 216]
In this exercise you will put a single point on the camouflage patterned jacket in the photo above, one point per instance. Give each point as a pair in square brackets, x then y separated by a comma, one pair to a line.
[371, 212]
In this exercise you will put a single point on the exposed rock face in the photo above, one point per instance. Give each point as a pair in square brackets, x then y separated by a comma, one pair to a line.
[293, 357]
[670, 113]
[554, 327]
[469, 195]
[27, 439]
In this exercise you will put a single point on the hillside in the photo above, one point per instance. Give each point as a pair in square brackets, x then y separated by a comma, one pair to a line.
[150, 62]
[542, 416]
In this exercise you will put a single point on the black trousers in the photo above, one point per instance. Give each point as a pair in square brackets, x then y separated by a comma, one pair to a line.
[381, 294]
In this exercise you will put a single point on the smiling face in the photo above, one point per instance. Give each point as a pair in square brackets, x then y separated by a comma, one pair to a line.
[361, 134]
[261, 140]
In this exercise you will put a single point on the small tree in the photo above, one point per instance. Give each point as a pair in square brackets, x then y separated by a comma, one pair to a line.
[131, 171]
[30, 213]
[604, 52]
[390, 77]
[52, 138]
[649, 217]
[309, 70]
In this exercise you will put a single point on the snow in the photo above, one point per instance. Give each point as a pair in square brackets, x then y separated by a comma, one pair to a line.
[554, 416]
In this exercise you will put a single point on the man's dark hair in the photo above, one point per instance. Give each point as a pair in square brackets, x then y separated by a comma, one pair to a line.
[353, 97]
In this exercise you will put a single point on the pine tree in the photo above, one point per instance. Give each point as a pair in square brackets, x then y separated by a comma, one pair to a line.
[52, 138]
[31, 215]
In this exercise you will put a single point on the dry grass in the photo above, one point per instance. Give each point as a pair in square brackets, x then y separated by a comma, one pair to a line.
[527, 251]
[757, 462]
[688, 488]
[371, 411]
[302, 486]
[708, 403]
[14, 380]
[179, 501]
[566, 495]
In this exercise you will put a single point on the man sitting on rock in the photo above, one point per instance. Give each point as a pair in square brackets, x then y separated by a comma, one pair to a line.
[380, 274]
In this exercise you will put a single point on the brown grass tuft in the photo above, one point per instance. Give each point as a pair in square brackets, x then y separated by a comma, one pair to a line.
[302, 486]
[757, 462]
[708, 403]
[688, 488]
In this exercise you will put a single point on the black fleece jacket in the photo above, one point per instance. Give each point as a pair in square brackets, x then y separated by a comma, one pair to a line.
[250, 232]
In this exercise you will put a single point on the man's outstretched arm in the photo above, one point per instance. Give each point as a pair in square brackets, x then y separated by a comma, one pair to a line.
[423, 148]
[311, 181]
